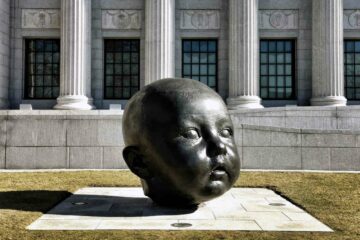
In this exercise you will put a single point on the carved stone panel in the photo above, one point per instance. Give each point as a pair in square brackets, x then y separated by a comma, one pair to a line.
[40, 18]
[200, 19]
[278, 19]
[121, 19]
[352, 19]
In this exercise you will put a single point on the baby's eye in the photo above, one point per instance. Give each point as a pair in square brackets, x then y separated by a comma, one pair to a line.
[191, 134]
[226, 132]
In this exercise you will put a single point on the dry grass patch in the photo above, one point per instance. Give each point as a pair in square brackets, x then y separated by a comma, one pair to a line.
[332, 198]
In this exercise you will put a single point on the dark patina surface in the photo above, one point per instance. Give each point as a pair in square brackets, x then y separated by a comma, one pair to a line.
[179, 141]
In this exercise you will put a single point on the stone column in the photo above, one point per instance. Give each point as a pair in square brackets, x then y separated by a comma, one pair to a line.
[75, 69]
[243, 54]
[4, 52]
[327, 53]
[159, 40]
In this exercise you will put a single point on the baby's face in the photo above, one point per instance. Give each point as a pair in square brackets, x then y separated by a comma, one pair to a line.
[193, 148]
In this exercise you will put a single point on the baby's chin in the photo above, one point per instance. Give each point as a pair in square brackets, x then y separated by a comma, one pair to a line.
[215, 189]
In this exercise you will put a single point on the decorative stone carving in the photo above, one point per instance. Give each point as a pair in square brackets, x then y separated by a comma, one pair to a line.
[121, 19]
[41, 18]
[352, 19]
[200, 19]
[278, 19]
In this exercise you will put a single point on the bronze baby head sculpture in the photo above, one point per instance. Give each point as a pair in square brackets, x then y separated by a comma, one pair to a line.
[179, 141]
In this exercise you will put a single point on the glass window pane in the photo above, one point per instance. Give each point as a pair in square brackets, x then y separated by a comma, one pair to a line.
[39, 69]
[280, 69]
[187, 46]
[272, 81]
[280, 81]
[280, 46]
[47, 92]
[203, 46]
[212, 58]
[272, 58]
[109, 57]
[288, 69]
[288, 57]
[263, 93]
[39, 58]
[263, 58]
[56, 69]
[357, 58]
[272, 92]
[357, 82]
[118, 69]
[126, 81]
[288, 92]
[357, 93]
[195, 58]
[39, 81]
[39, 92]
[280, 93]
[263, 81]
[349, 46]
[117, 81]
[203, 69]
[357, 46]
[134, 46]
[126, 69]
[109, 69]
[288, 46]
[195, 46]
[134, 69]
[109, 92]
[56, 92]
[47, 81]
[126, 57]
[135, 81]
[48, 69]
[118, 57]
[195, 69]
[195, 78]
[264, 70]
[350, 82]
[118, 92]
[187, 57]
[349, 58]
[212, 69]
[349, 70]
[212, 46]
[280, 58]
[126, 46]
[357, 69]
[203, 57]
[134, 58]
[272, 69]
[203, 80]
[39, 46]
[288, 81]
[56, 80]
[212, 81]
[272, 46]
[109, 81]
[263, 46]
[350, 93]
[187, 69]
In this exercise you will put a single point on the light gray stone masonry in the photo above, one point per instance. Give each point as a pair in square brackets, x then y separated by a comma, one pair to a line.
[4, 52]
[48, 139]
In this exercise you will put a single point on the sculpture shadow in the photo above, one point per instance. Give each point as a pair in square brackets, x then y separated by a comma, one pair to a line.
[32, 200]
[64, 203]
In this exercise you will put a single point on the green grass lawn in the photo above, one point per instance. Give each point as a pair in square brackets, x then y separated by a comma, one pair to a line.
[332, 198]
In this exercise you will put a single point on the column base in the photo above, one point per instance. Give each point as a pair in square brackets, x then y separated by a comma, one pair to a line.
[244, 102]
[330, 101]
[74, 102]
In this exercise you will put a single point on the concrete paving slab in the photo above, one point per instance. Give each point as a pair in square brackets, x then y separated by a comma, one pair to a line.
[251, 209]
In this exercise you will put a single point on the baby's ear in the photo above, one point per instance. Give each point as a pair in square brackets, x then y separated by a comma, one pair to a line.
[136, 162]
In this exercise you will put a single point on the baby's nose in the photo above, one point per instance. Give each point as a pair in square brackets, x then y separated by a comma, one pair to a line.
[215, 147]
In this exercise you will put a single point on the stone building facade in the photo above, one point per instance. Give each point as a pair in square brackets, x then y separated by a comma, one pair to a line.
[73, 54]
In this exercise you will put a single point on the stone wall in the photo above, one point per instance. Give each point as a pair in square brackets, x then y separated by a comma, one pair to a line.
[42, 139]
[61, 139]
